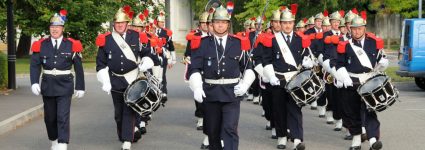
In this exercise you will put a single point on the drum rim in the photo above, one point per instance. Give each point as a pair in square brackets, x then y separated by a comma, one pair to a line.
[287, 83]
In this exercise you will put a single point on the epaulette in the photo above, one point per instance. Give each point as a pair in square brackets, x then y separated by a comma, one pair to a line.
[319, 35]
[101, 39]
[143, 37]
[379, 41]
[77, 47]
[195, 43]
[36, 46]
[341, 47]
[190, 35]
[267, 39]
[306, 41]
[333, 39]
[245, 43]
[169, 32]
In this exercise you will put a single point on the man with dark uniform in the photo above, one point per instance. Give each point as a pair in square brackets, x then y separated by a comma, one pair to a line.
[281, 63]
[216, 82]
[53, 59]
[331, 39]
[201, 32]
[119, 62]
[358, 60]
[168, 54]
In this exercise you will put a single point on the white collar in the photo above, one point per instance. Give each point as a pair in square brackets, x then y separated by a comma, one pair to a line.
[361, 41]
[334, 32]
[224, 40]
[204, 34]
[290, 35]
[59, 40]
[317, 30]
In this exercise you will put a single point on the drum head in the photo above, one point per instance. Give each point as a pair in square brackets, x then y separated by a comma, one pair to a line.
[372, 84]
[299, 79]
[136, 91]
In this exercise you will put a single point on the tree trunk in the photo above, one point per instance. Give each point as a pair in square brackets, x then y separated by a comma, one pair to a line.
[23, 46]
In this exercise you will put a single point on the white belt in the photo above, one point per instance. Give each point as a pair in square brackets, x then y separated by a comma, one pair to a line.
[57, 72]
[288, 75]
[362, 76]
[222, 81]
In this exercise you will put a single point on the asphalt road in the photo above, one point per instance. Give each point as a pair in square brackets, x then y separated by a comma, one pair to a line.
[173, 127]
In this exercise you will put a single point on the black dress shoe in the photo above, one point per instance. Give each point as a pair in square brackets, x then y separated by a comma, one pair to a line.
[321, 116]
[281, 146]
[337, 129]
[268, 127]
[256, 103]
[199, 128]
[137, 136]
[364, 137]
[329, 122]
[376, 146]
[313, 108]
[300, 146]
[143, 130]
[355, 148]
[274, 137]
[204, 146]
[348, 137]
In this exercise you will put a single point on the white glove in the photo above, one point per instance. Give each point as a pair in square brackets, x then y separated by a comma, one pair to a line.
[382, 64]
[245, 83]
[79, 94]
[195, 83]
[269, 74]
[326, 65]
[199, 95]
[157, 72]
[338, 84]
[307, 62]
[35, 88]
[173, 58]
[344, 77]
[103, 77]
[145, 64]
[320, 58]
[260, 70]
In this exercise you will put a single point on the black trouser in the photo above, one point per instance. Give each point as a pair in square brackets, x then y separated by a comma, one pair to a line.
[333, 98]
[321, 101]
[56, 117]
[353, 109]
[164, 75]
[124, 117]
[199, 110]
[221, 123]
[279, 101]
[267, 103]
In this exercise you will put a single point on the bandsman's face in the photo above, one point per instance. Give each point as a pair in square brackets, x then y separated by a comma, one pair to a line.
[348, 25]
[276, 25]
[138, 29]
[287, 26]
[161, 24]
[56, 31]
[343, 30]
[326, 28]
[335, 24]
[312, 25]
[210, 28]
[220, 26]
[358, 32]
[203, 26]
[318, 23]
[120, 27]
[302, 29]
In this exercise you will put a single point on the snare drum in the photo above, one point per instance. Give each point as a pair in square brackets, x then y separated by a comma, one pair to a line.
[305, 87]
[378, 93]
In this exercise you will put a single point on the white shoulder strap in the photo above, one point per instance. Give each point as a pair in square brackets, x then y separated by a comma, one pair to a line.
[361, 55]
[284, 49]
[125, 48]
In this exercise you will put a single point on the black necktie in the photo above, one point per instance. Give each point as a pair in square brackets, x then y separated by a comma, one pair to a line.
[288, 39]
[220, 45]
[337, 34]
[358, 43]
[56, 44]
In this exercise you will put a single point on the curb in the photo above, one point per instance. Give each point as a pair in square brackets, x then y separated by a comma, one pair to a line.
[21, 119]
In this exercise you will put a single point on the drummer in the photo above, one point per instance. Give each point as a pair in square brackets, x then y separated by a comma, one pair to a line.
[281, 63]
[358, 60]
[119, 60]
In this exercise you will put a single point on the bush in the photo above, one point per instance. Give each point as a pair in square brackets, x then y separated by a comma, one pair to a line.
[90, 52]
[3, 70]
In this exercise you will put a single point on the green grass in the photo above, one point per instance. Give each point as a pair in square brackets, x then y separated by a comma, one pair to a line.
[394, 77]
[23, 66]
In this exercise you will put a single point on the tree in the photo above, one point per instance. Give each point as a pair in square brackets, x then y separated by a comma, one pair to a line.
[407, 8]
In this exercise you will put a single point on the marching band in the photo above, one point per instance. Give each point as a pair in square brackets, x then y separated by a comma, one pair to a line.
[323, 61]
